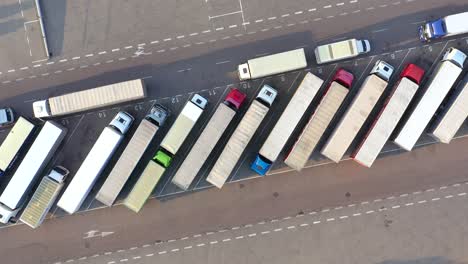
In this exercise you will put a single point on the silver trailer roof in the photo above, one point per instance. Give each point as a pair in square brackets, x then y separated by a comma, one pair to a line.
[127, 162]
[386, 122]
[90, 169]
[41, 202]
[37, 157]
[291, 116]
[318, 123]
[183, 125]
[95, 98]
[203, 146]
[276, 63]
[454, 115]
[354, 117]
[144, 186]
[439, 85]
[237, 143]
[14, 141]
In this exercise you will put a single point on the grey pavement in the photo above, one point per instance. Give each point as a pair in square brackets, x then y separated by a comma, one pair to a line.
[426, 226]
[238, 204]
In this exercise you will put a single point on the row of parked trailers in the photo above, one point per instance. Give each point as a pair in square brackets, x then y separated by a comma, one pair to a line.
[349, 124]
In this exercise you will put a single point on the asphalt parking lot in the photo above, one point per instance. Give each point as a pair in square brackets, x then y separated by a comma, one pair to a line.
[83, 129]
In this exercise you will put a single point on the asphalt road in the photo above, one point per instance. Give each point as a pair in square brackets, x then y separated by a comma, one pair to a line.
[238, 204]
[175, 66]
[427, 227]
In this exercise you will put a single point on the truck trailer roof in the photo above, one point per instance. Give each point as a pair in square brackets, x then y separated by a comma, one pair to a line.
[320, 120]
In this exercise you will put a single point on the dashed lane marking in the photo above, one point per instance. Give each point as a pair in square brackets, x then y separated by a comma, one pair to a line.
[291, 227]
[260, 20]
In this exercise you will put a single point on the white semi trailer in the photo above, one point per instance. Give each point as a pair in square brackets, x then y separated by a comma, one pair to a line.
[388, 118]
[94, 163]
[241, 137]
[358, 112]
[132, 154]
[453, 116]
[37, 157]
[170, 145]
[329, 105]
[287, 123]
[208, 139]
[442, 80]
[272, 64]
[89, 99]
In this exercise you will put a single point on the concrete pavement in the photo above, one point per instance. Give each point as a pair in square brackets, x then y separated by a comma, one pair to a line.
[237, 204]
[426, 226]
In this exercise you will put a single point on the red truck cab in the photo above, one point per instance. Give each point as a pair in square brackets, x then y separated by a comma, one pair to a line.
[343, 77]
[235, 98]
[413, 72]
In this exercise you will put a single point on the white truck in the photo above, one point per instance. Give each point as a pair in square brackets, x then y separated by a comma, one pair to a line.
[15, 141]
[171, 143]
[89, 99]
[241, 137]
[341, 50]
[286, 124]
[39, 154]
[442, 80]
[44, 197]
[94, 163]
[453, 115]
[444, 27]
[208, 139]
[331, 101]
[132, 154]
[389, 116]
[272, 64]
[357, 113]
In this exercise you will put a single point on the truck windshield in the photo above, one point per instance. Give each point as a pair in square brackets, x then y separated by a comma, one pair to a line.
[438, 28]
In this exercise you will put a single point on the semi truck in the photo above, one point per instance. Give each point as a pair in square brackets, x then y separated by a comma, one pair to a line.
[132, 154]
[94, 163]
[444, 27]
[15, 141]
[90, 99]
[358, 111]
[310, 136]
[286, 124]
[171, 143]
[440, 83]
[341, 50]
[208, 139]
[44, 197]
[389, 116]
[39, 154]
[241, 137]
[453, 115]
[272, 64]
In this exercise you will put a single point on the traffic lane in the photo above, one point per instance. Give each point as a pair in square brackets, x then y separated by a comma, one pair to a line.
[13, 35]
[241, 203]
[169, 51]
[401, 222]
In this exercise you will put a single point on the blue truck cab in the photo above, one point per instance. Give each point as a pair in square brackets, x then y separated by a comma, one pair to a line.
[432, 30]
[261, 165]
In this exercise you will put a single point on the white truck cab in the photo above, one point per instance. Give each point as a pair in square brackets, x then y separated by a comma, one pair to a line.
[7, 116]
[122, 122]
